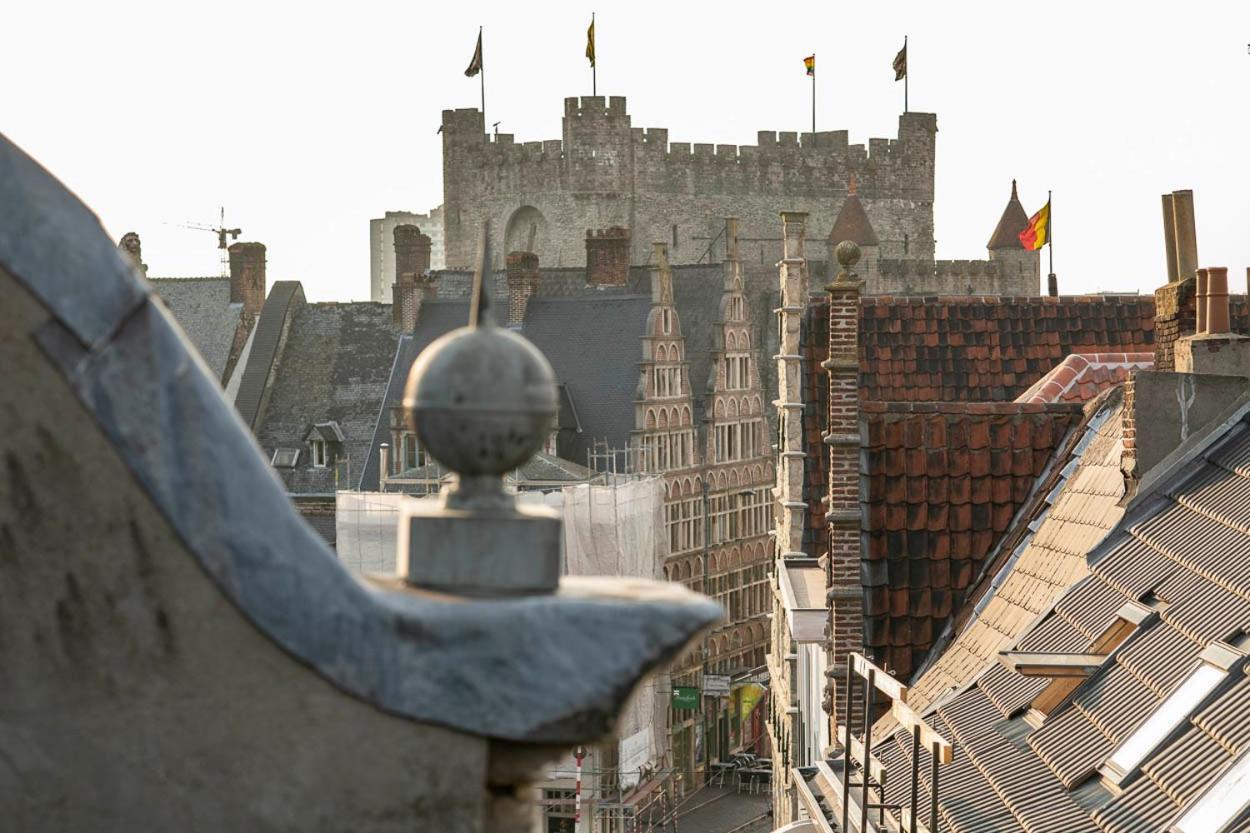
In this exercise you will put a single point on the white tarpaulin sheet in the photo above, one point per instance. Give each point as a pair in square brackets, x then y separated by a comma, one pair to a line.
[612, 530]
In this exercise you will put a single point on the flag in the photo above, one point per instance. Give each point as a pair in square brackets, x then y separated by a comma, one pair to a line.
[475, 66]
[900, 63]
[1037, 233]
[590, 42]
[810, 63]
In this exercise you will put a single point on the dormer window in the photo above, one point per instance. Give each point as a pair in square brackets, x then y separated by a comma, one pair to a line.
[324, 440]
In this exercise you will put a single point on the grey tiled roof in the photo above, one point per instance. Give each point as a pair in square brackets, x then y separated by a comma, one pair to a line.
[335, 366]
[1187, 539]
[594, 345]
[202, 308]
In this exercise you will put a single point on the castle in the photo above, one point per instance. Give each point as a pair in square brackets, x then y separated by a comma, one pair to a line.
[549, 197]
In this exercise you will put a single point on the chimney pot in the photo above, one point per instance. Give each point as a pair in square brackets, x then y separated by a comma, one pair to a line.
[1186, 234]
[1200, 300]
[1052, 285]
[1169, 237]
[1217, 300]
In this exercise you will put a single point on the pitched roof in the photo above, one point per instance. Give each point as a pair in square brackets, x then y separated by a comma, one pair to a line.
[1043, 556]
[1007, 233]
[940, 485]
[334, 366]
[918, 349]
[852, 223]
[593, 344]
[203, 310]
[284, 298]
[1082, 376]
[1186, 543]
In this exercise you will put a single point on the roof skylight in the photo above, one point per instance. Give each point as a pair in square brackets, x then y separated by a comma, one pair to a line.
[1219, 805]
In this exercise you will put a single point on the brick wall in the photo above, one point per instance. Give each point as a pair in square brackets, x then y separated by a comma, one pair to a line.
[607, 256]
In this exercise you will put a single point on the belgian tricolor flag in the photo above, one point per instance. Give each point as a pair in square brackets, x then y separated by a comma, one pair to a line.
[1037, 233]
[810, 63]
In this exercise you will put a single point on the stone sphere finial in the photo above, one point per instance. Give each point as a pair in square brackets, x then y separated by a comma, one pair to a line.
[847, 253]
[481, 400]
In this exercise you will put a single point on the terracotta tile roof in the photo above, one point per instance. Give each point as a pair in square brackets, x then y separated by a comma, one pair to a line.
[1042, 557]
[988, 348]
[1186, 542]
[1082, 376]
[941, 483]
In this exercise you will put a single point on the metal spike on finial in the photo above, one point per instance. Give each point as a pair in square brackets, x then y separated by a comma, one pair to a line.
[1013, 190]
[479, 306]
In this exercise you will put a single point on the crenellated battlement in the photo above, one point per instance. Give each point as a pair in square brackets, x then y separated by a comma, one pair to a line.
[604, 172]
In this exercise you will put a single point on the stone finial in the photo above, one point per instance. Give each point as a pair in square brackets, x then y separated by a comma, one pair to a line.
[847, 254]
[481, 400]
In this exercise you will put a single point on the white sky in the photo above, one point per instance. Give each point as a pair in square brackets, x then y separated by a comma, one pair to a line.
[306, 119]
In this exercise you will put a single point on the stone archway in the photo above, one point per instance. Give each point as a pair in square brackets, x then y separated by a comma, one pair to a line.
[527, 232]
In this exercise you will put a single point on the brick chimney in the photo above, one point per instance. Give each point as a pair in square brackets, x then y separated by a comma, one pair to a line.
[523, 280]
[1176, 302]
[412, 284]
[133, 249]
[607, 256]
[247, 277]
[845, 589]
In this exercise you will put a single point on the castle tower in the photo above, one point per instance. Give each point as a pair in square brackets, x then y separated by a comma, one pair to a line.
[853, 224]
[1016, 264]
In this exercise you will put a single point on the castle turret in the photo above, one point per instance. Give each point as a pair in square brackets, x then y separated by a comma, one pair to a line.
[853, 224]
[1015, 263]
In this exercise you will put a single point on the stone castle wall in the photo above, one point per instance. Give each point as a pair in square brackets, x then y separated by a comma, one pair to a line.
[605, 172]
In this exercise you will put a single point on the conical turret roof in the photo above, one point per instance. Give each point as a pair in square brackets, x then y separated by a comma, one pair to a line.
[1014, 220]
[852, 223]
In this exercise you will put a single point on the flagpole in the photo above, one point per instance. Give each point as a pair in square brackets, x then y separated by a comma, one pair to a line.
[482, 77]
[1050, 239]
[906, 75]
[813, 95]
[594, 64]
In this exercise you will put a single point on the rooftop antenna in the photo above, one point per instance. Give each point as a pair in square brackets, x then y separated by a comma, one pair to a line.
[222, 233]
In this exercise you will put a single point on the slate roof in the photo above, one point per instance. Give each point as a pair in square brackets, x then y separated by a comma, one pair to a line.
[940, 485]
[202, 308]
[1014, 220]
[334, 366]
[1185, 540]
[1081, 377]
[593, 344]
[284, 298]
[919, 349]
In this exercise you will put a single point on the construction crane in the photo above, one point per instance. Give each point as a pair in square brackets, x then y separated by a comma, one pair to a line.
[222, 234]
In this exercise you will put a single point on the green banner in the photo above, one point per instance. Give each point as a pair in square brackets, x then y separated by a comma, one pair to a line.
[685, 697]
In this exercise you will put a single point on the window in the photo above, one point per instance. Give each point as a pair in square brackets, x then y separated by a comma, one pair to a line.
[1220, 804]
[318, 449]
[285, 458]
[1155, 729]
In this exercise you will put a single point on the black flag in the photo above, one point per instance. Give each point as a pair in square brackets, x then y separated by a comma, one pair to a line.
[900, 62]
[475, 66]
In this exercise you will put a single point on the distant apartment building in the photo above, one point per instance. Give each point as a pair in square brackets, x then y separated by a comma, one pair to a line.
[382, 249]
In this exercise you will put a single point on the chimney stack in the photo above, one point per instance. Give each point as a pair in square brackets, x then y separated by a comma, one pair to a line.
[247, 276]
[523, 280]
[1052, 285]
[412, 263]
[1186, 234]
[607, 256]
